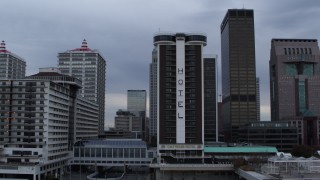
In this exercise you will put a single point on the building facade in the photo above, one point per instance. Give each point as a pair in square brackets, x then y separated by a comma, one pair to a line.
[281, 135]
[137, 105]
[295, 84]
[90, 67]
[40, 121]
[11, 65]
[128, 122]
[180, 108]
[210, 98]
[153, 98]
[137, 102]
[238, 70]
[34, 127]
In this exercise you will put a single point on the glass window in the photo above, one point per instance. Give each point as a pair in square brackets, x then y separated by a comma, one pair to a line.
[109, 152]
[98, 152]
[131, 153]
[291, 69]
[302, 97]
[137, 153]
[308, 69]
[115, 152]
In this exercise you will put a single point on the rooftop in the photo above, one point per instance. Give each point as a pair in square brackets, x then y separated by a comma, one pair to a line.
[240, 149]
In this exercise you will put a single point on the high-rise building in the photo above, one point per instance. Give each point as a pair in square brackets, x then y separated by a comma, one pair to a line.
[137, 102]
[238, 70]
[137, 105]
[210, 98]
[11, 65]
[90, 67]
[153, 98]
[126, 121]
[181, 94]
[258, 99]
[41, 118]
[294, 85]
[83, 114]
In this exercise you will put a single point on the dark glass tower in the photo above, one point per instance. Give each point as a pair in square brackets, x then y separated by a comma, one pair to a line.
[238, 70]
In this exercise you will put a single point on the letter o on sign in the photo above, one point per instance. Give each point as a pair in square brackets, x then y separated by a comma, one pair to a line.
[180, 81]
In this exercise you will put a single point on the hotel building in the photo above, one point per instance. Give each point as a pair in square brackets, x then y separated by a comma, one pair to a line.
[40, 119]
[180, 88]
[89, 66]
[11, 65]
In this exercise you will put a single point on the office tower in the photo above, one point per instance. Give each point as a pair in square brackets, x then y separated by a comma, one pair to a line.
[153, 98]
[11, 65]
[137, 105]
[294, 85]
[137, 102]
[128, 122]
[90, 67]
[180, 93]
[238, 70]
[210, 98]
[258, 98]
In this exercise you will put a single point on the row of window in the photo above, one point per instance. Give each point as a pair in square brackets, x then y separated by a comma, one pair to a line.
[110, 152]
[289, 51]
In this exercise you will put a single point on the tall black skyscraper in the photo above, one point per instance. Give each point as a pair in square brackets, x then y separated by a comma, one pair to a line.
[238, 70]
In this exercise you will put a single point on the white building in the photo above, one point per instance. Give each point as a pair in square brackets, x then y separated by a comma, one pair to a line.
[40, 120]
[11, 65]
[90, 67]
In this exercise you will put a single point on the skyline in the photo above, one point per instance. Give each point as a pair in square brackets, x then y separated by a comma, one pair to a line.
[123, 30]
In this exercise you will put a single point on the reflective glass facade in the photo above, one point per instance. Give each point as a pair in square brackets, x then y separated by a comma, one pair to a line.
[239, 101]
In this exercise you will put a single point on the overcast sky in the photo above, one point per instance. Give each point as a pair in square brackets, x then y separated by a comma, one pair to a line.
[122, 30]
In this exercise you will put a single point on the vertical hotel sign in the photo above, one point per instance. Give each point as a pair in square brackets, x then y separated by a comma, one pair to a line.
[180, 88]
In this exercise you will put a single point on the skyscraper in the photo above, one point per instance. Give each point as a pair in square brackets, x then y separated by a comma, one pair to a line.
[210, 98]
[137, 102]
[294, 78]
[238, 70]
[180, 93]
[294, 85]
[90, 67]
[153, 98]
[11, 65]
[137, 105]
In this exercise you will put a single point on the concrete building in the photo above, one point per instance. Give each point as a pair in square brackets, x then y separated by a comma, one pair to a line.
[83, 114]
[11, 65]
[39, 124]
[153, 98]
[180, 91]
[128, 122]
[294, 85]
[281, 135]
[112, 152]
[90, 67]
[238, 71]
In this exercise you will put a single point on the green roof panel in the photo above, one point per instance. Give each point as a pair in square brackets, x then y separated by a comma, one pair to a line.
[240, 149]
